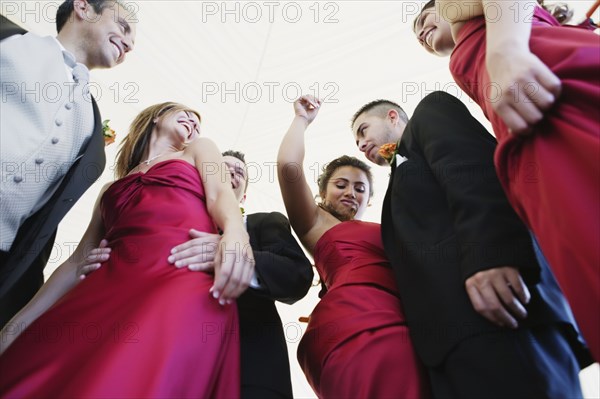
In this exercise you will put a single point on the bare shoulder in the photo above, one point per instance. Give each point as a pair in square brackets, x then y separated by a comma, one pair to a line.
[202, 149]
[324, 221]
[199, 144]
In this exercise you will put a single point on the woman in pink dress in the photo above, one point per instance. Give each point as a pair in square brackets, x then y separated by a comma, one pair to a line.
[356, 343]
[138, 327]
[538, 84]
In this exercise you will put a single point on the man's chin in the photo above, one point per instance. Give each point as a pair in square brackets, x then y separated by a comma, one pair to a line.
[381, 162]
[377, 161]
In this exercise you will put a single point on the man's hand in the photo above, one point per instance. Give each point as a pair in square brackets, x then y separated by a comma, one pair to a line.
[93, 260]
[528, 88]
[197, 254]
[229, 256]
[499, 295]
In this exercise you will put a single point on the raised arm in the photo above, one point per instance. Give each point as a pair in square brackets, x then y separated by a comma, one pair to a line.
[64, 278]
[297, 196]
[234, 261]
[528, 87]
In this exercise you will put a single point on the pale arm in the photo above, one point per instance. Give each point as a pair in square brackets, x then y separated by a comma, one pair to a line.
[234, 261]
[64, 278]
[297, 196]
[528, 87]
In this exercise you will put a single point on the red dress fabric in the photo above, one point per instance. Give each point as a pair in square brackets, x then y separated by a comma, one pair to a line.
[552, 178]
[357, 344]
[137, 327]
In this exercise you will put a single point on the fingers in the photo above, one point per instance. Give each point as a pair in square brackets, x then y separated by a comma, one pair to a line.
[499, 295]
[199, 250]
[201, 253]
[517, 285]
[98, 255]
[233, 272]
[519, 107]
[87, 269]
[528, 89]
[94, 259]
[240, 276]
[549, 82]
[486, 303]
[504, 292]
[512, 119]
[202, 267]
[198, 237]
[220, 278]
[309, 101]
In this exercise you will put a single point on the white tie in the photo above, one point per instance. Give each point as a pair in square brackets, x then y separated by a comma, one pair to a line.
[81, 73]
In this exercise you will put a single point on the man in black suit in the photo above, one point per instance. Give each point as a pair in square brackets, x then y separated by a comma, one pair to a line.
[476, 300]
[40, 134]
[283, 273]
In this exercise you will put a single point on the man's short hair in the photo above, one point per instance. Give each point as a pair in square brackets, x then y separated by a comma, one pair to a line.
[236, 154]
[66, 8]
[380, 108]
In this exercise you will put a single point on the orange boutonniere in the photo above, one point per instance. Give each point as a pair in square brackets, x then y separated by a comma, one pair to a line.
[387, 152]
[109, 134]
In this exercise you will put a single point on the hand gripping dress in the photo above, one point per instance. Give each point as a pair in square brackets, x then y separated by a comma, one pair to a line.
[552, 177]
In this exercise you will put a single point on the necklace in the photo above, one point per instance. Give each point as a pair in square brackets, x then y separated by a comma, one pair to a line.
[147, 161]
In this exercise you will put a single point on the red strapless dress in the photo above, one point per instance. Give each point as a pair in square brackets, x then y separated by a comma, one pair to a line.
[137, 327]
[552, 178]
[357, 344]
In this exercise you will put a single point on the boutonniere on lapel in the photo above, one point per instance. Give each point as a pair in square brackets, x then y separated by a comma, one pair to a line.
[389, 152]
[109, 134]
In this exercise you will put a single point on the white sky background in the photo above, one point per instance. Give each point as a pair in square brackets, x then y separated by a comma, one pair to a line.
[241, 64]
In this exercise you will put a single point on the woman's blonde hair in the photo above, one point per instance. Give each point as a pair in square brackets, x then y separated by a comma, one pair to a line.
[137, 140]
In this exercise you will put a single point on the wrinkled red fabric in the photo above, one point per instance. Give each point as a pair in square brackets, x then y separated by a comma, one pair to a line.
[357, 344]
[552, 177]
[138, 326]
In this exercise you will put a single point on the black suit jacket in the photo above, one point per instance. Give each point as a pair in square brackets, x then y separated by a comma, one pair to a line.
[21, 271]
[446, 217]
[285, 275]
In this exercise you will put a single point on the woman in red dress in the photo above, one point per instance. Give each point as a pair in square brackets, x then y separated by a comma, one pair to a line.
[538, 84]
[138, 327]
[356, 343]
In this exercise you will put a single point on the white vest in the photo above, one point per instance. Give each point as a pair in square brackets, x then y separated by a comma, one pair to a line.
[45, 121]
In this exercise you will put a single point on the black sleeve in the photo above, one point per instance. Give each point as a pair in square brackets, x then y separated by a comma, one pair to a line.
[9, 28]
[460, 153]
[284, 272]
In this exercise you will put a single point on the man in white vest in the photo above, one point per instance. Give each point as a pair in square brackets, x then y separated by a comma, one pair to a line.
[51, 139]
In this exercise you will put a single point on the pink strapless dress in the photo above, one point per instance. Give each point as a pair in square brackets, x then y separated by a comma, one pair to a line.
[357, 344]
[137, 327]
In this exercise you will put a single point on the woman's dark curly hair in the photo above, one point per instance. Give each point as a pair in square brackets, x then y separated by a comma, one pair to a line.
[337, 163]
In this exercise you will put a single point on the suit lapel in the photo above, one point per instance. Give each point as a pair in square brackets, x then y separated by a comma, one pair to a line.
[38, 230]
[8, 28]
